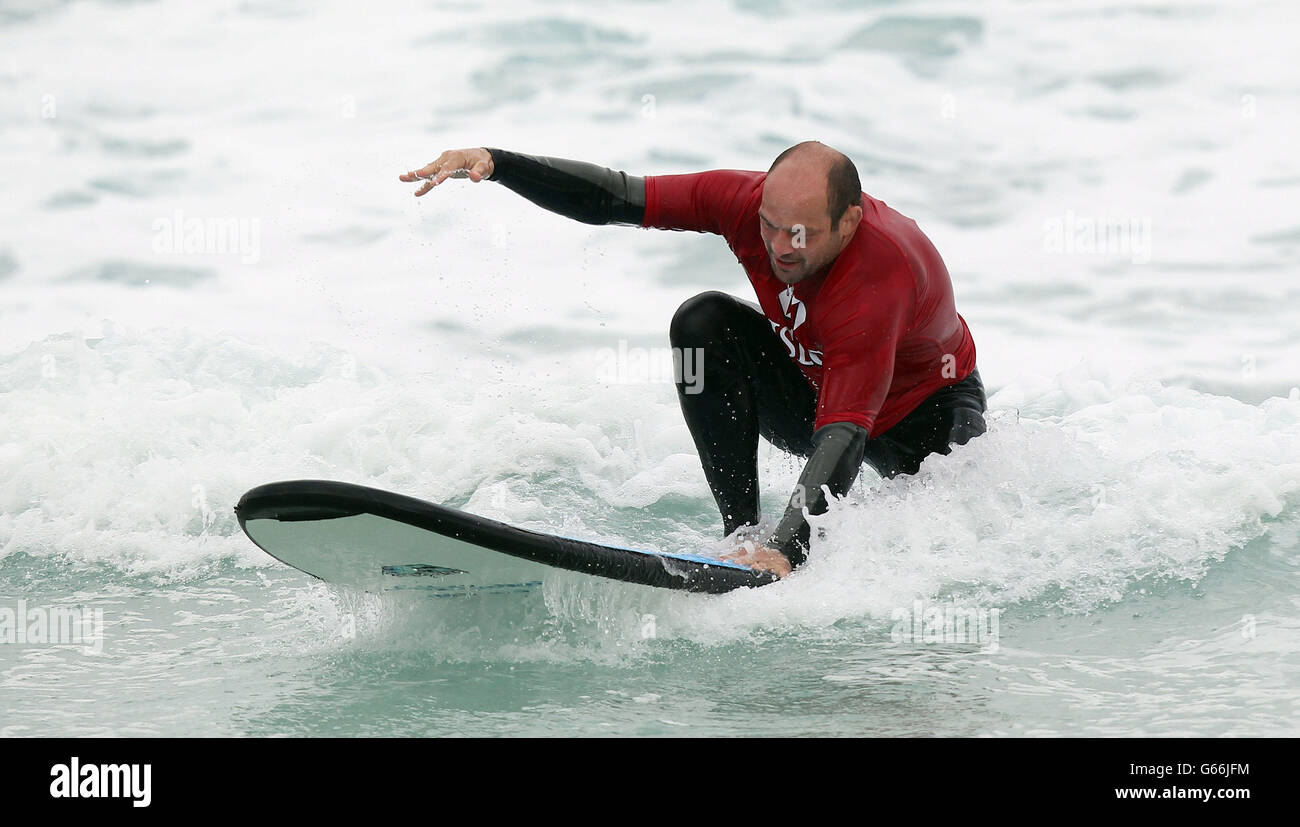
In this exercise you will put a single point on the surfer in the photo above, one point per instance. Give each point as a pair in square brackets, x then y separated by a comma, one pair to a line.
[854, 353]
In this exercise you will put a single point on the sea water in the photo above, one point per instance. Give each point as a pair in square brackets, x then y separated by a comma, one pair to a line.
[210, 278]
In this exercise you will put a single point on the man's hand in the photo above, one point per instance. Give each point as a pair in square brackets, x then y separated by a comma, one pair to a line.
[761, 558]
[474, 164]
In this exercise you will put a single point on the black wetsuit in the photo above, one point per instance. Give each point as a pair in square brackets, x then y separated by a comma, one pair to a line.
[754, 388]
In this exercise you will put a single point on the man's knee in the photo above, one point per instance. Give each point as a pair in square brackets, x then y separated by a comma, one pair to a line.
[699, 318]
[967, 423]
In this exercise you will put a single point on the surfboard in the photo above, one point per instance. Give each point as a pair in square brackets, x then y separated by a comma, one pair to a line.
[379, 541]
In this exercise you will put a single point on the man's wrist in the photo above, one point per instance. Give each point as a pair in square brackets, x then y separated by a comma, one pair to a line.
[792, 549]
[495, 157]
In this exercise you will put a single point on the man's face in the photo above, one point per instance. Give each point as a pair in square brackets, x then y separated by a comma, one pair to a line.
[794, 222]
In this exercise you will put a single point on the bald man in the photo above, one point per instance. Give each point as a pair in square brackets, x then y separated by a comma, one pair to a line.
[855, 351]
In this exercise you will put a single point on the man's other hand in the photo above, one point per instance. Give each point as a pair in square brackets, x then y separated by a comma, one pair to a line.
[761, 558]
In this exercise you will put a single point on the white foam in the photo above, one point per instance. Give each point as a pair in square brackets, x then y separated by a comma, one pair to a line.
[444, 347]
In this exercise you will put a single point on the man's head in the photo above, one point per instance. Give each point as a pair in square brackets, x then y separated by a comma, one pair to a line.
[811, 208]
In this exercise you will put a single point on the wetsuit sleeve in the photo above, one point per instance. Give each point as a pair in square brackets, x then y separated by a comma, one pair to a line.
[836, 458]
[718, 201]
[857, 370]
[584, 192]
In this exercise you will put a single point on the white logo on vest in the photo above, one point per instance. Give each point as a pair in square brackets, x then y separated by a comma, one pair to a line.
[789, 302]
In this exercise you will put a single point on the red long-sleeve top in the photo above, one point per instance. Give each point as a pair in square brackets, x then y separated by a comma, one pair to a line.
[875, 334]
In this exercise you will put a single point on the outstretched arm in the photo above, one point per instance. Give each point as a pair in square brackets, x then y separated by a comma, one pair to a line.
[584, 192]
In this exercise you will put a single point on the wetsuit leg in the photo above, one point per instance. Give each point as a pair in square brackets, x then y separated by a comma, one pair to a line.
[950, 416]
[747, 386]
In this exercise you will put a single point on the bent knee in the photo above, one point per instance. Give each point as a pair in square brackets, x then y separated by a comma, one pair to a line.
[967, 423]
[700, 316]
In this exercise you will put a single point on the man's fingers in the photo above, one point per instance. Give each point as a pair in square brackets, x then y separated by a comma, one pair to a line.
[450, 164]
[432, 175]
[761, 559]
[422, 174]
[427, 171]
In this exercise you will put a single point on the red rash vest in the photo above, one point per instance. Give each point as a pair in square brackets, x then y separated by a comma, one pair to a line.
[874, 335]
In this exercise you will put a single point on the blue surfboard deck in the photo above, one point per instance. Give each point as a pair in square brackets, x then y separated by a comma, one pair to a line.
[380, 541]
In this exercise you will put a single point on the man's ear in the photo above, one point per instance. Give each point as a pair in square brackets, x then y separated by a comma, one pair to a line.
[850, 219]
